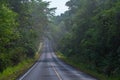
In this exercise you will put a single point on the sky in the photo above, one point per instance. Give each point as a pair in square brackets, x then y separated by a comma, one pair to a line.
[60, 4]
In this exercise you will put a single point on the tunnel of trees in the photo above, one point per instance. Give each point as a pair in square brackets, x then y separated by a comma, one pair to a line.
[88, 33]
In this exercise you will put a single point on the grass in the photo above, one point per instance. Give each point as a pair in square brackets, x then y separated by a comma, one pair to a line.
[12, 73]
[84, 68]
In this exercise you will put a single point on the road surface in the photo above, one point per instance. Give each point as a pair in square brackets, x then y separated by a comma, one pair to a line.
[49, 67]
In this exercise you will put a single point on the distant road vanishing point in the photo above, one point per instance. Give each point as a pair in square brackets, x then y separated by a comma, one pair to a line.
[49, 67]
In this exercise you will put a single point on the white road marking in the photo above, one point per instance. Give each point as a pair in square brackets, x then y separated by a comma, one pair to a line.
[39, 48]
[79, 74]
[58, 75]
[53, 66]
[28, 72]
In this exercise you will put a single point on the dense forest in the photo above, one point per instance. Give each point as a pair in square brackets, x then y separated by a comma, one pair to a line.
[89, 33]
[22, 23]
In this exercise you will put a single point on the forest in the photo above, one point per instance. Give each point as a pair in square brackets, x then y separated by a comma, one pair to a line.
[22, 23]
[89, 33]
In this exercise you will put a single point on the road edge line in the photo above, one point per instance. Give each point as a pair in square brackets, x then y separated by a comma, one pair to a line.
[22, 77]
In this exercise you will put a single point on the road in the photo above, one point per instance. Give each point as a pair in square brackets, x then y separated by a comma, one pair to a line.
[49, 67]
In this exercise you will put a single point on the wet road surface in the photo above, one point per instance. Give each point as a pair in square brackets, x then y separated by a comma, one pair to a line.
[49, 67]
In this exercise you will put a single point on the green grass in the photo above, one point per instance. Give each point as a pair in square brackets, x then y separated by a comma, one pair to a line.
[84, 68]
[12, 73]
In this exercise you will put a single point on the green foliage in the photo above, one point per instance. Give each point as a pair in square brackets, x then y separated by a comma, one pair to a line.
[11, 73]
[8, 34]
[22, 24]
[7, 26]
[85, 67]
[92, 34]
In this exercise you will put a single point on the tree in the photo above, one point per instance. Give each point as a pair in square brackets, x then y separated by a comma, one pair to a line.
[8, 33]
[92, 34]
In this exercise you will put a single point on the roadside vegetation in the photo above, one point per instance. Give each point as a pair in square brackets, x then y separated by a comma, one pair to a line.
[89, 34]
[85, 68]
[22, 24]
[12, 73]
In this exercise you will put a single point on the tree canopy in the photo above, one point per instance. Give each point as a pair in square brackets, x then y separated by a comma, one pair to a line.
[92, 34]
[22, 24]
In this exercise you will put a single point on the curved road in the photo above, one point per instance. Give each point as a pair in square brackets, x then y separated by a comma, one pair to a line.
[49, 67]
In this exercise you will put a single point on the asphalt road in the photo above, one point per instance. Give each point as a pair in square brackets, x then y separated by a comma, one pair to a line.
[49, 67]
